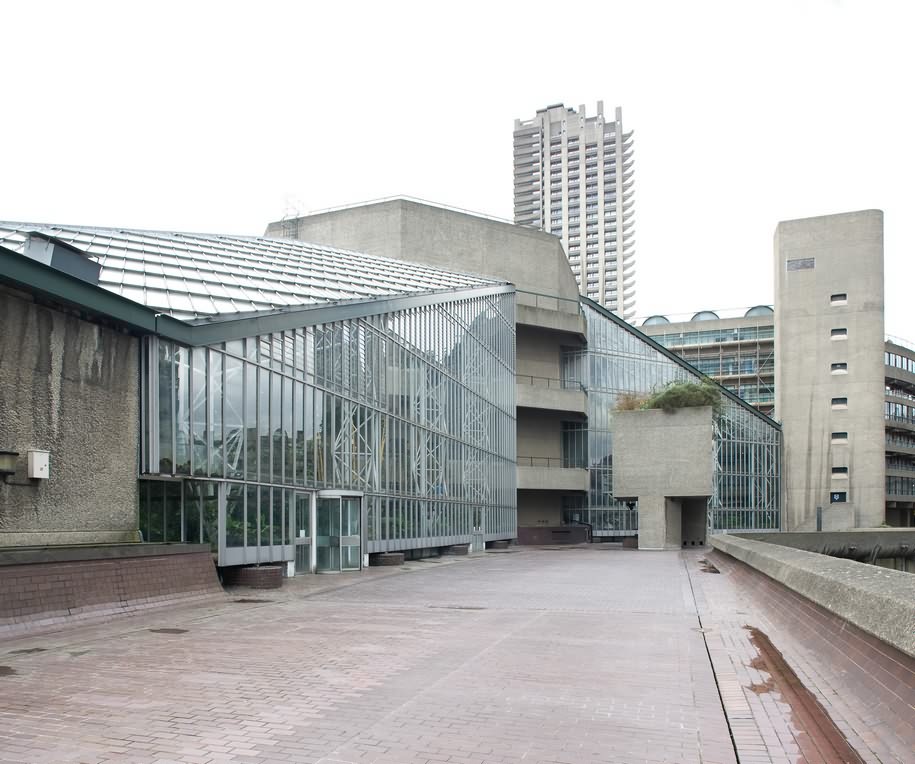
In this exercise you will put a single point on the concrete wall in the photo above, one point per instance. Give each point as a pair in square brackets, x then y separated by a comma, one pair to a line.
[879, 601]
[814, 259]
[69, 387]
[663, 454]
[539, 508]
[539, 351]
[539, 434]
[423, 233]
[664, 459]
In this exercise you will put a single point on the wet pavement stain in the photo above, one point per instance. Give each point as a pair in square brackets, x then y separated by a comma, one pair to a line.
[7, 671]
[707, 567]
[251, 601]
[812, 723]
[27, 651]
[77, 653]
[169, 631]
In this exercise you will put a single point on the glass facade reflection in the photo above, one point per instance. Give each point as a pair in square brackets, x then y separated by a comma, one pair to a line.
[414, 409]
[619, 361]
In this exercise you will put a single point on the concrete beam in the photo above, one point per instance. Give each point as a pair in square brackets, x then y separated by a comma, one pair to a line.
[552, 479]
[536, 397]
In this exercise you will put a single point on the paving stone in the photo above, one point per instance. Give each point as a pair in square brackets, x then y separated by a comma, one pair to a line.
[538, 657]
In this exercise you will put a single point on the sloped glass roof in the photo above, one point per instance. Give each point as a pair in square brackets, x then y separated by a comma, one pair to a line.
[193, 276]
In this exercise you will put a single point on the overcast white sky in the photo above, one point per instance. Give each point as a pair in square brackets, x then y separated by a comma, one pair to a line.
[219, 116]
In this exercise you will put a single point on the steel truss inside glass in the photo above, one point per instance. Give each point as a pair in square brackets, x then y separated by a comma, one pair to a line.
[413, 411]
[747, 445]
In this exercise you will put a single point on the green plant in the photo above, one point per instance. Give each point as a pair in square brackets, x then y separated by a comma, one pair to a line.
[630, 402]
[679, 395]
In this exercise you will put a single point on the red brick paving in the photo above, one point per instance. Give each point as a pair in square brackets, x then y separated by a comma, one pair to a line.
[531, 657]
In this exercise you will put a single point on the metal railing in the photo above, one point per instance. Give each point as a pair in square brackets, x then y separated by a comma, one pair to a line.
[550, 462]
[551, 383]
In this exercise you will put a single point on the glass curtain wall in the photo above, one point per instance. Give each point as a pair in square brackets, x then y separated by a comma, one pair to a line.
[413, 408]
[618, 361]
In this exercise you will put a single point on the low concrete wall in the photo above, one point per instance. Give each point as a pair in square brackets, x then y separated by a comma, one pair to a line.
[564, 534]
[49, 588]
[553, 479]
[879, 601]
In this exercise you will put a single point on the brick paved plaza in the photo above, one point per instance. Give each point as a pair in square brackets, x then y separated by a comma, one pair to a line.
[540, 656]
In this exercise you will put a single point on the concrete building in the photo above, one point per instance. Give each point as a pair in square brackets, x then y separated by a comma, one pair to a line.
[830, 372]
[573, 178]
[574, 360]
[736, 351]
[840, 449]
[279, 402]
[899, 413]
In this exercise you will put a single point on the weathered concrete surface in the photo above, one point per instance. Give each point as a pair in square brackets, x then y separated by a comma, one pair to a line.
[70, 387]
[423, 233]
[816, 258]
[660, 453]
[663, 459]
[877, 600]
[551, 479]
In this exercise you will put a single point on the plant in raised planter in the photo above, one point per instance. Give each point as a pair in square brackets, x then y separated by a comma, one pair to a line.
[673, 396]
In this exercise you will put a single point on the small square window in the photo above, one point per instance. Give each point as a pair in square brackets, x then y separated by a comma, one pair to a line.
[840, 472]
[840, 437]
[839, 334]
[839, 368]
[839, 298]
[840, 403]
[838, 497]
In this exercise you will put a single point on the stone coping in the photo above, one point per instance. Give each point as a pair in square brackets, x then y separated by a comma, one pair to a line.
[875, 599]
[78, 553]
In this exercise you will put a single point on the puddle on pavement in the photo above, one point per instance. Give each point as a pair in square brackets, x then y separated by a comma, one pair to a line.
[251, 601]
[28, 650]
[808, 717]
[7, 671]
[169, 631]
[707, 567]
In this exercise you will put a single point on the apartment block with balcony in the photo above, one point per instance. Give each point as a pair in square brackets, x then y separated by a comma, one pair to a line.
[738, 352]
[899, 413]
[573, 177]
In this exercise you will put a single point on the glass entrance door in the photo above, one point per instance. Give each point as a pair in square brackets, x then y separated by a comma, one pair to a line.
[301, 532]
[328, 535]
[338, 540]
[351, 533]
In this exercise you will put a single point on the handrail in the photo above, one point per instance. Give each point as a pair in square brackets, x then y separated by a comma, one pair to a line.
[552, 383]
[551, 462]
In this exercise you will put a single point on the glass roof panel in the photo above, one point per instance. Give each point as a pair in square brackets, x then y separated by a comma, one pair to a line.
[206, 274]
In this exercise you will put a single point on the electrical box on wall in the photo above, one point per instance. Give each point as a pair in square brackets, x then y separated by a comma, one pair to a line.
[39, 464]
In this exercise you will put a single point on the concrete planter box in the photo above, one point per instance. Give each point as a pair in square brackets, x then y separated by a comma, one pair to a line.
[665, 460]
